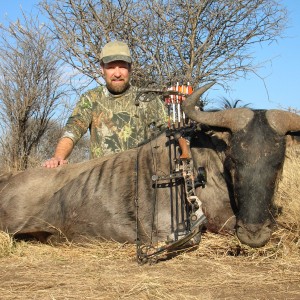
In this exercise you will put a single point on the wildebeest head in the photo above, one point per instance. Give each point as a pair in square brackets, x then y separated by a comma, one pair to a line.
[254, 160]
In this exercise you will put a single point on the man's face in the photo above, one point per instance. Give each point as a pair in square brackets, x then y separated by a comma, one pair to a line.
[116, 75]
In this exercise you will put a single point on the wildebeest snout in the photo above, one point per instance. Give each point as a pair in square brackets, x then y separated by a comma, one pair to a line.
[254, 235]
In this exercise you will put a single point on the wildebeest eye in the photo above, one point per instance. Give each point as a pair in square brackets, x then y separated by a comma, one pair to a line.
[244, 146]
[277, 145]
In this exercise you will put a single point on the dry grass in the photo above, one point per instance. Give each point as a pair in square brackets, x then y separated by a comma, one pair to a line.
[288, 198]
[109, 271]
[7, 245]
[221, 268]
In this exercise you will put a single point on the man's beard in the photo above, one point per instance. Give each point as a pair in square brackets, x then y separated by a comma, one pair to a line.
[119, 88]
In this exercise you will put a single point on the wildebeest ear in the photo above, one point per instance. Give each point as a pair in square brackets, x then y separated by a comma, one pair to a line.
[294, 133]
[293, 138]
[220, 139]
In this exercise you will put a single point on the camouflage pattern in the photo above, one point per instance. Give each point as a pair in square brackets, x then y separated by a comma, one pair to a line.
[114, 121]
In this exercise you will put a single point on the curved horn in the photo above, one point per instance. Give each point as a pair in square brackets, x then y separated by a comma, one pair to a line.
[235, 119]
[283, 121]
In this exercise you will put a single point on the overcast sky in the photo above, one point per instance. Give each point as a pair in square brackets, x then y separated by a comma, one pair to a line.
[280, 88]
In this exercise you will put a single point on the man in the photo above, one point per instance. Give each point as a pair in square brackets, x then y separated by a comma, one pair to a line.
[109, 112]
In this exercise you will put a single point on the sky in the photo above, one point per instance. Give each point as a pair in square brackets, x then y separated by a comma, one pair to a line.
[281, 61]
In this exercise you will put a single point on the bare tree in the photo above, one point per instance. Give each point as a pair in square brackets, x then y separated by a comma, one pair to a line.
[184, 40]
[30, 87]
[48, 141]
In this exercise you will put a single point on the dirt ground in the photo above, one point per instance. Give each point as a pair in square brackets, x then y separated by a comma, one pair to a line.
[110, 271]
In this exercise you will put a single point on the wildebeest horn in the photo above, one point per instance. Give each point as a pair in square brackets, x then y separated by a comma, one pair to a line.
[235, 119]
[283, 121]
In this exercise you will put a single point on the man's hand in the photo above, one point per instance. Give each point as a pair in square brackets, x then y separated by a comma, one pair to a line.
[54, 162]
[62, 151]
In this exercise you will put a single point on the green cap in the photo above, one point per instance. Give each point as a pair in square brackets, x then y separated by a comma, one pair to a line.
[115, 50]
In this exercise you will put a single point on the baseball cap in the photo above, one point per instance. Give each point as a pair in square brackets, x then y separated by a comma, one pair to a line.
[115, 50]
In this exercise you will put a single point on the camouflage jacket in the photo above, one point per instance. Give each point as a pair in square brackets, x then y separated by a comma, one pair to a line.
[114, 121]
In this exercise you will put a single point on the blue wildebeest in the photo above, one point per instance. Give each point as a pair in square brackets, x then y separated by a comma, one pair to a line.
[242, 151]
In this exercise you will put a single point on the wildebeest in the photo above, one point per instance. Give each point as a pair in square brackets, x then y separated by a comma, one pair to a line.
[241, 149]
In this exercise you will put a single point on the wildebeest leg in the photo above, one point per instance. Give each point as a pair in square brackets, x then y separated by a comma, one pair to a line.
[40, 236]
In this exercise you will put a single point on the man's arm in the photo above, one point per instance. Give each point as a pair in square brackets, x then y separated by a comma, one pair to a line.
[62, 151]
[76, 126]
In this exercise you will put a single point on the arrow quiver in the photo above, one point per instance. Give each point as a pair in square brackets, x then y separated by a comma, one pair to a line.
[187, 217]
